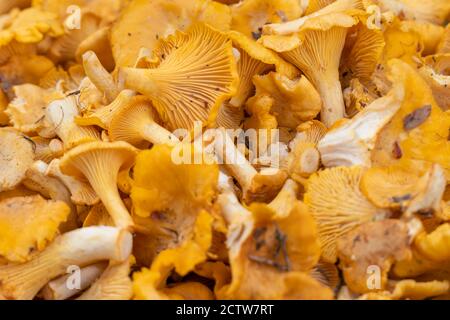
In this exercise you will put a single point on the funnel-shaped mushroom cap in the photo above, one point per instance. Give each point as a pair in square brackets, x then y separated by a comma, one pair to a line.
[28, 224]
[99, 43]
[315, 47]
[171, 195]
[195, 73]
[318, 57]
[102, 116]
[295, 101]
[113, 284]
[412, 290]
[336, 201]
[137, 122]
[229, 117]
[270, 245]
[17, 156]
[100, 163]
[250, 16]
[80, 247]
[61, 115]
[361, 57]
[143, 22]
[351, 143]
[81, 192]
[411, 186]
[337, 13]
[379, 244]
[419, 130]
[30, 26]
[254, 59]
[27, 110]
[149, 284]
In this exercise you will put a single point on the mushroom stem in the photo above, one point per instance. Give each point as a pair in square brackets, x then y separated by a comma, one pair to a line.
[157, 134]
[140, 80]
[99, 76]
[59, 290]
[333, 108]
[110, 195]
[233, 159]
[79, 248]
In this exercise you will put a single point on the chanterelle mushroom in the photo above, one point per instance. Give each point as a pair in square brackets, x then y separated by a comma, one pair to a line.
[193, 74]
[99, 163]
[314, 44]
[137, 122]
[80, 247]
[256, 186]
[28, 224]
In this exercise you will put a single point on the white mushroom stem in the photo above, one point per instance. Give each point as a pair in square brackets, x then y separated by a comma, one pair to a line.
[77, 248]
[233, 159]
[59, 289]
[330, 90]
[61, 114]
[238, 218]
[114, 284]
[99, 76]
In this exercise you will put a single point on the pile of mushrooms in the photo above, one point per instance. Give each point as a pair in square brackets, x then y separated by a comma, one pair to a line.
[138, 161]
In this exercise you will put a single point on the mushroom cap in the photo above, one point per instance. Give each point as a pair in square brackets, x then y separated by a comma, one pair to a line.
[295, 101]
[28, 224]
[102, 116]
[148, 283]
[361, 57]
[351, 142]
[128, 121]
[250, 16]
[379, 243]
[27, 110]
[97, 150]
[143, 22]
[419, 130]
[257, 257]
[336, 201]
[264, 186]
[194, 74]
[258, 52]
[394, 186]
[17, 156]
